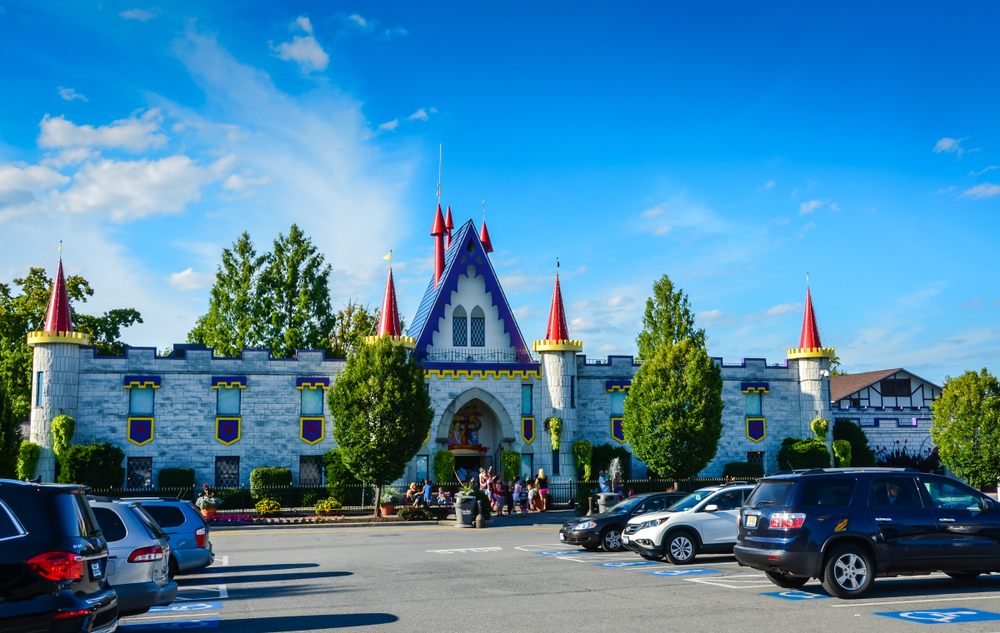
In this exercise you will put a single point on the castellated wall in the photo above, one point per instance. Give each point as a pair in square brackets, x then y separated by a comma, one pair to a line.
[185, 408]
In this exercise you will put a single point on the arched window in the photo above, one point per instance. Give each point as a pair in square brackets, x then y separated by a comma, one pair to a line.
[459, 330]
[478, 327]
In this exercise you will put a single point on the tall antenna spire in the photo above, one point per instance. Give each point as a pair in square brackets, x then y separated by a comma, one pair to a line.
[440, 151]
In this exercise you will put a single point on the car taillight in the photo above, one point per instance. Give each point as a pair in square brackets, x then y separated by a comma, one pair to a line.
[200, 536]
[787, 520]
[146, 554]
[72, 614]
[57, 566]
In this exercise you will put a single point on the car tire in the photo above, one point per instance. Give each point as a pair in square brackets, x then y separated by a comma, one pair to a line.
[172, 568]
[848, 572]
[786, 581]
[680, 547]
[611, 539]
[963, 575]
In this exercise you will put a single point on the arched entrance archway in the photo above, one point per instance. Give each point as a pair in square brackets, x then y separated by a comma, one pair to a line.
[475, 427]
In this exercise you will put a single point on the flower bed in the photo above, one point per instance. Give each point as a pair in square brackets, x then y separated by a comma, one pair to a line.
[221, 520]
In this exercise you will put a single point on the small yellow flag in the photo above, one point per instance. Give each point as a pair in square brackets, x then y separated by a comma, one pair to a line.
[388, 257]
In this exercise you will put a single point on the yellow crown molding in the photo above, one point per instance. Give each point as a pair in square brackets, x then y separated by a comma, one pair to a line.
[480, 373]
[812, 352]
[399, 341]
[562, 345]
[73, 338]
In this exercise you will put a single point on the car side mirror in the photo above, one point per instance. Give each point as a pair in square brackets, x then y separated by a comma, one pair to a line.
[711, 508]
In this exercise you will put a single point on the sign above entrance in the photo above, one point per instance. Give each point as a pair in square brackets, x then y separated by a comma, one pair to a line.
[463, 434]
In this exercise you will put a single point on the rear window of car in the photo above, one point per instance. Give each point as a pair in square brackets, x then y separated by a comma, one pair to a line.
[771, 493]
[111, 524]
[148, 522]
[166, 516]
[828, 492]
[9, 526]
[72, 516]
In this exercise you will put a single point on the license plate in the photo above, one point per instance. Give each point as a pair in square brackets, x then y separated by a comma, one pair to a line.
[95, 571]
[624, 539]
[562, 537]
[751, 521]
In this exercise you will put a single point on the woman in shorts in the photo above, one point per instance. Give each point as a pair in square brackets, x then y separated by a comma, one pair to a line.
[543, 491]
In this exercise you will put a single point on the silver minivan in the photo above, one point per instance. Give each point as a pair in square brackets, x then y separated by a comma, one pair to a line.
[138, 551]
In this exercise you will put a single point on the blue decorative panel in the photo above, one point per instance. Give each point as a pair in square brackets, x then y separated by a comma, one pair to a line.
[227, 430]
[229, 381]
[140, 430]
[528, 429]
[616, 429]
[754, 387]
[312, 382]
[756, 429]
[311, 429]
[142, 381]
[617, 385]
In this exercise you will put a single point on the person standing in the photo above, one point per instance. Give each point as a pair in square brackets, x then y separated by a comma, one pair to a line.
[427, 491]
[542, 484]
[516, 495]
[602, 483]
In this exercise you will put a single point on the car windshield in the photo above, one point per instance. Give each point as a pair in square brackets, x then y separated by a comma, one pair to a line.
[690, 501]
[626, 506]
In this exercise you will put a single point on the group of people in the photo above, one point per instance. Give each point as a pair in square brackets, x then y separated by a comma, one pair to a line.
[528, 495]
[607, 484]
[421, 495]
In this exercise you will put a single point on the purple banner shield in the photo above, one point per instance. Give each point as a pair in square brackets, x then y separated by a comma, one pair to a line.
[140, 430]
[311, 429]
[227, 430]
[756, 429]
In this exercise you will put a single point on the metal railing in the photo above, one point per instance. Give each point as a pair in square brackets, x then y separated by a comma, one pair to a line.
[473, 355]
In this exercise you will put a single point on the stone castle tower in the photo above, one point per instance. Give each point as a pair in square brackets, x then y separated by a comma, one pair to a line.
[814, 370]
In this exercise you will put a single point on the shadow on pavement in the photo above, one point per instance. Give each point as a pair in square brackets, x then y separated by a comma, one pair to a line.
[917, 586]
[306, 622]
[241, 568]
[551, 517]
[284, 591]
[311, 575]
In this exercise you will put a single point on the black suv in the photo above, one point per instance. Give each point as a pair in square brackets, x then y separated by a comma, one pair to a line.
[53, 562]
[845, 526]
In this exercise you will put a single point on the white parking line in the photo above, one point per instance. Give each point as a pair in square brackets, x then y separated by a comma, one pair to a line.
[877, 604]
[466, 550]
[745, 581]
[219, 589]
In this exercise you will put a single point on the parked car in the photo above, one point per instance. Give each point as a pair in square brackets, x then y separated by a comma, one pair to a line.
[190, 547]
[845, 526]
[605, 530]
[702, 522]
[53, 562]
[138, 551]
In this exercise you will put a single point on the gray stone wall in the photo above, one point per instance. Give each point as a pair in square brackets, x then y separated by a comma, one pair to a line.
[60, 367]
[915, 439]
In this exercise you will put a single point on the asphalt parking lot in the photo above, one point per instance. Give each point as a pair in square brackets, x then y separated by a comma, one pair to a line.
[518, 577]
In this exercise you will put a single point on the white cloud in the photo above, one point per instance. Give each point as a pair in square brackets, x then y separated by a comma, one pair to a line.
[950, 146]
[805, 229]
[141, 15]
[782, 308]
[653, 212]
[69, 94]
[389, 126]
[834, 207]
[304, 50]
[239, 183]
[663, 230]
[809, 207]
[71, 156]
[133, 134]
[420, 114]
[980, 173]
[767, 185]
[985, 190]
[360, 21]
[129, 190]
[190, 280]
[396, 30]
[20, 185]
[716, 318]
[971, 304]
[944, 191]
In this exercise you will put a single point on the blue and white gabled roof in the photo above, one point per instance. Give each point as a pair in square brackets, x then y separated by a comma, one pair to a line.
[466, 250]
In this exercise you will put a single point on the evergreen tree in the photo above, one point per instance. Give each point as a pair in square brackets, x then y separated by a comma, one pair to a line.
[238, 310]
[668, 320]
[298, 287]
[966, 427]
[381, 412]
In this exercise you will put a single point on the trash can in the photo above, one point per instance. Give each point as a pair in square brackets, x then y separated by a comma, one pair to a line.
[606, 500]
[465, 509]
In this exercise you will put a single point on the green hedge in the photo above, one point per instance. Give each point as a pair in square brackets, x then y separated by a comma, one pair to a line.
[861, 452]
[743, 470]
[422, 514]
[268, 477]
[96, 465]
[27, 459]
[796, 454]
[175, 478]
[340, 481]
[444, 466]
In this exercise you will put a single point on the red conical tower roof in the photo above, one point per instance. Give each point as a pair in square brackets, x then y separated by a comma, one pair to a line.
[389, 321]
[58, 318]
[557, 330]
[449, 224]
[484, 237]
[810, 331]
[439, 225]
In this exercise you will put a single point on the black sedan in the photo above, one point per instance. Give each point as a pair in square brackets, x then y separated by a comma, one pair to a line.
[605, 530]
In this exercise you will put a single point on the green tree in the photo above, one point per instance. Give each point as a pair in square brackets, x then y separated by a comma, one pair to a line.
[668, 320]
[298, 284]
[340, 481]
[673, 413]
[835, 367]
[796, 454]
[966, 427]
[352, 324]
[381, 412]
[238, 309]
[10, 437]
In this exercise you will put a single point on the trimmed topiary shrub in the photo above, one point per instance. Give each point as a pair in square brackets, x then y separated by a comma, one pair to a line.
[96, 465]
[583, 452]
[743, 471]
[861, 453]
[842, 453]
[340, 481]
[27, 459]
[444, 466]
[511, 461]
[261, 479]
[63, 428]
[798, 454]
[820, 427]
[175, 478]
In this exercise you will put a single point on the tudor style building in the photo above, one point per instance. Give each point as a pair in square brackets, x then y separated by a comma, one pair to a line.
[490, 390]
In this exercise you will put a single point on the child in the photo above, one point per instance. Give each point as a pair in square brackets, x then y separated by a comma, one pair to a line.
[522, 499]
[442, 498]
[532, 497]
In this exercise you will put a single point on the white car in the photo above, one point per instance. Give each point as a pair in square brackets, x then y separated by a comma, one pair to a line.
[702, 522]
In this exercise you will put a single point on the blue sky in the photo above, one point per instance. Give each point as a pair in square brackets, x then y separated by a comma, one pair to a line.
[733, 147]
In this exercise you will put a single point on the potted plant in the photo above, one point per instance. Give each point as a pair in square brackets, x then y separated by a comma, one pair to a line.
[465, 505]
[207, 501]
[388, 501]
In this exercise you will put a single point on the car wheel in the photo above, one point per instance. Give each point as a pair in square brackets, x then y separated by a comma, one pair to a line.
[611, 539]
[786, 581]
[963, 575]
[680, 548]
[848, 572]
[173, 569]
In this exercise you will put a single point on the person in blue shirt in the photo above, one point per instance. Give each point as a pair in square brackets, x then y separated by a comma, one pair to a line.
[427, 491]
[602, 481]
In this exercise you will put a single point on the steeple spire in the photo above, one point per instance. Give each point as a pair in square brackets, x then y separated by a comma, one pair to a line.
[809, 342]
[557, 335]
[58, 318]
[449, 224]
[388, 323]
[438, 231]
[484, 235]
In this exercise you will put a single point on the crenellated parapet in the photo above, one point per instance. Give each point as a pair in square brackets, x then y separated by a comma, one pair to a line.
[73, 338]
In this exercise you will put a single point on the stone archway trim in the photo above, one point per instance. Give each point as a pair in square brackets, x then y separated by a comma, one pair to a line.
[475, 393]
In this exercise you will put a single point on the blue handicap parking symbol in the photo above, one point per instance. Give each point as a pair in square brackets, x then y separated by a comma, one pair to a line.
[187, 607]
[565, 552]
[683, 572]
[943, 616]
[137, 627]
[795, 595]
[631, 563]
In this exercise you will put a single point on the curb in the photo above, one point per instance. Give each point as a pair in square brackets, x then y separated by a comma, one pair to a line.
[288, 526]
